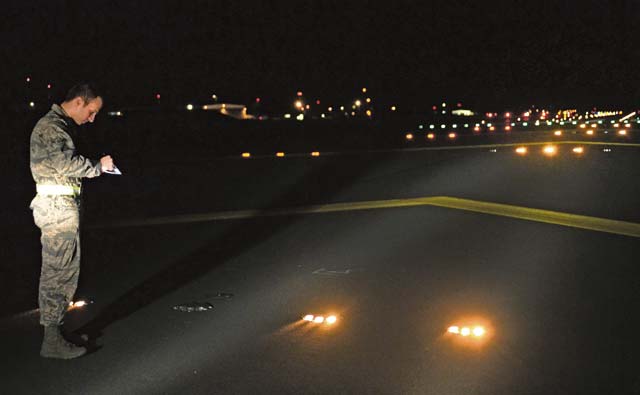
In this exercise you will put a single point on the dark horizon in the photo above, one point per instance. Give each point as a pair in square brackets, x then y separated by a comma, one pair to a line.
[488, 56]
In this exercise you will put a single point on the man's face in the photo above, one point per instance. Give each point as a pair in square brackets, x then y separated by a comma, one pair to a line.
[86, 112]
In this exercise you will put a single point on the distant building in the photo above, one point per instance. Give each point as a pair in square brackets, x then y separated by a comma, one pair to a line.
[237, 111]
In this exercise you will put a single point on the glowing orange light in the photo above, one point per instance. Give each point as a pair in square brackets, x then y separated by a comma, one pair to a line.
[465, 331]
[319, 319]
[492, 128]
[550, 150]
[478, 331]
[622, 132]
[431, 136]
[590, 132]
[409, 136]
[246, 155]
[558, 133]
[452, 135]
[280, 154]
[507, 128]
[578, 150]
[521, 150]
[476, 129]
[308, 317]
[582, 125]
[454, 329]
[331, 319]
[315, 153]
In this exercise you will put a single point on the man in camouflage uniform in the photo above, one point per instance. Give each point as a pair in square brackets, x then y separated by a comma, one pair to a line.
[58, 171]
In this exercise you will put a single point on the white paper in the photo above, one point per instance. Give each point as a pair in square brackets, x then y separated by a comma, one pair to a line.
[115, 171]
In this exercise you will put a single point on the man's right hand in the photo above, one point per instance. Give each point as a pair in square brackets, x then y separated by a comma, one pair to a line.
[106, 163]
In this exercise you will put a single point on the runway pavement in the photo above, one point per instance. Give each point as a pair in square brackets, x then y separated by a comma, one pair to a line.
[399, 246]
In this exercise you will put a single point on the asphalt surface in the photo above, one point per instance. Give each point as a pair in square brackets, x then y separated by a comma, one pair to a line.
[559, 302]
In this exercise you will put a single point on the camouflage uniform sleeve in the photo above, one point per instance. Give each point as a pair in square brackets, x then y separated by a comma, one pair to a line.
[55, 150]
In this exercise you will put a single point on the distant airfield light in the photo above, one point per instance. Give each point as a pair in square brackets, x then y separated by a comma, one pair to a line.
[280, 154]
[549, 150]
[331, 319]
[606, 150]
[578, 150]
[48, 86]
[627, 125]
[444, 104]
[358, 103]
[214, 97]
[443, 126]
[246, 155]
[341, 108]
[393, 108]
[590, 132]
[32, 104]
[557, 133]
[307, 106]
[300, 117]
[308, 317]
[507, 128]
[368, 100]
[318, 102]
[432, 126]
[364, 90]
[158, 96]
[369, 113]
[521, 150]
[287, 116]
[476, 129]
[330, 109]
[190, 107]
[28, 79]
[454, 329]
[492, 128]
[258, 100]
[319, 319]
[431, 136]
[315, 153]
[582, 125]
[409, 136]
[465, 331]
[452, 135]
[622, 132]
[616, 125]
[299, 93]
[298, 104]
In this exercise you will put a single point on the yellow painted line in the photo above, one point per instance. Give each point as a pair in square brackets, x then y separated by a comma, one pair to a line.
[530, 214]
[546, 216]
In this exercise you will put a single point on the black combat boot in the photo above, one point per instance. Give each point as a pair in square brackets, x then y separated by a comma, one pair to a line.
[55, 346]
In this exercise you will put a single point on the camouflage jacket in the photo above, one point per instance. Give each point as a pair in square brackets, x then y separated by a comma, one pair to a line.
[53, 157]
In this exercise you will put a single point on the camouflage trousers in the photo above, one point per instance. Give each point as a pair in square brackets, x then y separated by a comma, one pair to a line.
[58, 218]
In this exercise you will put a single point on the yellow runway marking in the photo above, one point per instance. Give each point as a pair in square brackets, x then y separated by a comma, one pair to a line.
[530, 214]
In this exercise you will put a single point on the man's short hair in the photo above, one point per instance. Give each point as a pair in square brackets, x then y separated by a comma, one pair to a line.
[85, 91]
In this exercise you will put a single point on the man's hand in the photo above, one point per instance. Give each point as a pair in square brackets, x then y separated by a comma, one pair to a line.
[106, 162]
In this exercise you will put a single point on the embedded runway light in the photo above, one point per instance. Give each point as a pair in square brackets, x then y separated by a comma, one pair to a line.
[476, 129]
[492, 128]
[550, 150]
[280, 154]
[315, 153]
[409, 136]
[622, 132]
[465, 331]
[606, 150]
[453, 329]
[190, 107]
[319, 319]
[246, 155]
[478, 331]
[582, 125]
[590, 132]
[557, 133]
[308, 317]
[331, 319]
[452, 135]
[521, 150]
[507, 128]
[431, 136]
[578, 150]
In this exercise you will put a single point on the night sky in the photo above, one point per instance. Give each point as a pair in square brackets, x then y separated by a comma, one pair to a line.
[415, 53]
